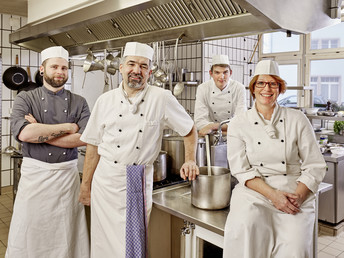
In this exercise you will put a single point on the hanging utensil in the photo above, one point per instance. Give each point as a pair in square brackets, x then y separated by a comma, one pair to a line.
[178, 89]
[30, 84]
[38, 78]
[15, 77]
[207, 147]
[9, 149]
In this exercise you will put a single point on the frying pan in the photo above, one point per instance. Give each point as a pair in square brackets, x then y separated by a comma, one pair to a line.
[30, 85]
[39, 78]
[15, 77]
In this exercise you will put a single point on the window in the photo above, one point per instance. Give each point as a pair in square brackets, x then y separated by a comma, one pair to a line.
[289, 73]
[330, 37]
[327, 79]
[277, 42]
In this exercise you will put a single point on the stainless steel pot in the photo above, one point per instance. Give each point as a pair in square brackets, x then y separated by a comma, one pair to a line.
[211, 192]
[174, 146]
[160, 167]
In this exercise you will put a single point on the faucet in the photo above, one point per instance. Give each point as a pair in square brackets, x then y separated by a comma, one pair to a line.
[219, 130]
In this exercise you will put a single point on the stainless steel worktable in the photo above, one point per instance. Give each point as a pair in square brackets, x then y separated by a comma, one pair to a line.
[332, 157]
[176, 200]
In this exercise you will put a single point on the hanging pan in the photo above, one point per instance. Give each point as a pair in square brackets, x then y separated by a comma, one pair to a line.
[15, 77]
[30, 84]
[39, 78]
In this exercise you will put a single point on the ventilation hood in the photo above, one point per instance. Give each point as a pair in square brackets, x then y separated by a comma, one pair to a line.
[109, 24]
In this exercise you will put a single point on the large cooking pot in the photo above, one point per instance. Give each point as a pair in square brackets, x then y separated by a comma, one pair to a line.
[15, 77]
[174, 146]
[160, 167]
[211, 192]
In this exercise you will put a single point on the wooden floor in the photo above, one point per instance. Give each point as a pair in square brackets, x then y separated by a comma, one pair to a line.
[6, 207]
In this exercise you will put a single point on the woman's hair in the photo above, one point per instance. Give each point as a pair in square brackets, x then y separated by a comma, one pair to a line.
[282, 84]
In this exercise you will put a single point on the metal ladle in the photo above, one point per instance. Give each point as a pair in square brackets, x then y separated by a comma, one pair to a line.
[9, 149]
[178, 89]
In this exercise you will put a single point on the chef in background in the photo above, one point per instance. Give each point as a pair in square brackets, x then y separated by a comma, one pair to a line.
[218, 99]
[48, 220]
[273, 153]
[124, 136]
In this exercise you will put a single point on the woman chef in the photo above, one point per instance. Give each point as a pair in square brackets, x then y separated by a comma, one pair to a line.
[273, 153]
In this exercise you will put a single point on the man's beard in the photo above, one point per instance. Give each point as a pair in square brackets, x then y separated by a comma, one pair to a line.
[135, 84]
[53, 83]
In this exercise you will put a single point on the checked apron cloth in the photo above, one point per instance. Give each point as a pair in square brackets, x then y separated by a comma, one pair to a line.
[136, 219]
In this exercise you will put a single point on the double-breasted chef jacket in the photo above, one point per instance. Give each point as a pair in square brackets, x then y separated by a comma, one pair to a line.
[214, 105]
[282, 151]
[126, 137]
[48, 220]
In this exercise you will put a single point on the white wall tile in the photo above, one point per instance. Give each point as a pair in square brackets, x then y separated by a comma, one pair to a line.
[15, 22]
[6, 105]
[6, 92]
[7, 60]
[5, 38]
[5, 159]
[25, 59]
[5, 178]
[6, 21]
[34, 58]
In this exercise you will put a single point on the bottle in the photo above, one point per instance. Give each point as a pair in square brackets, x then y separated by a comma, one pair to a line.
[323, 140]
[329, 106]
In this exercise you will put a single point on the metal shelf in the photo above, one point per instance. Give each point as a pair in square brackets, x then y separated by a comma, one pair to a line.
[333, 118]
[187, 83]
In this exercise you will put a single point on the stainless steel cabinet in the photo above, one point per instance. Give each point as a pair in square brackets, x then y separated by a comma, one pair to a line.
[331, 203]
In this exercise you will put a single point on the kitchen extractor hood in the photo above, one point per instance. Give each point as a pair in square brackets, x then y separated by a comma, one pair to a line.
[111, 23]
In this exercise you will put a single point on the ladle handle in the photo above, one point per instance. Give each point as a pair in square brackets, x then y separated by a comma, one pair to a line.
[207, 147]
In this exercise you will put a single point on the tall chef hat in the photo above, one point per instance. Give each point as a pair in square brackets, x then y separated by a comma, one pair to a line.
[57, 51]
[267, 67]
[220, 59]
[138, 49]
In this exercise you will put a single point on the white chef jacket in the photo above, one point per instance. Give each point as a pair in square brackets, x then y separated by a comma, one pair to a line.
[283, 152]
[214, 105]
[124, 138]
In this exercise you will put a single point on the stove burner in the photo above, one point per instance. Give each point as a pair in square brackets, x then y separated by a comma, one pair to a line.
[170, 180]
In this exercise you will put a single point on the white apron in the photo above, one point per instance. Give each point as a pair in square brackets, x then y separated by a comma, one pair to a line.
[48, 221]
[108, 208]
[283, 235]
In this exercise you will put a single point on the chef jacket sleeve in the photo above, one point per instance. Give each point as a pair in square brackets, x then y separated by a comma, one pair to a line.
[201, 116]
[236, 153]
[313, 166]
[175, 115]
[20, 108]
[95, 126]
[84, 116]
[240, 104]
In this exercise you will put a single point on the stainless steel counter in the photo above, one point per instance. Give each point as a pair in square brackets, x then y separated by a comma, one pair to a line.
[176, 200]
[328, 156]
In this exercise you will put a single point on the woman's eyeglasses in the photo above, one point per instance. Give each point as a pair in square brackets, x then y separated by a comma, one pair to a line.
[261, 84]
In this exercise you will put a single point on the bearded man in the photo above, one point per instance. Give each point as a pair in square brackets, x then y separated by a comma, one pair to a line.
[48, 220]
[124, 136]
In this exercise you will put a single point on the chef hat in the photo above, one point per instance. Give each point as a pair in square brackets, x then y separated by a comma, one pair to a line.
[220, 59]
[54, 52]
[138, 49]
[268, 67]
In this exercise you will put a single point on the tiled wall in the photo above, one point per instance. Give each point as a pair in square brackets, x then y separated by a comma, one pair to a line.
[195, 57]
[9, 23]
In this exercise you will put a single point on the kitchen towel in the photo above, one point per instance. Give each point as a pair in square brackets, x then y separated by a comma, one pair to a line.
[136, 216]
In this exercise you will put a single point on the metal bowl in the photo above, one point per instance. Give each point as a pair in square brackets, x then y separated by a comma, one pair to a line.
[211, 192]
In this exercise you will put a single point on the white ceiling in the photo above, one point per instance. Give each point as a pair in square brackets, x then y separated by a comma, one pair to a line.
[15, 7]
